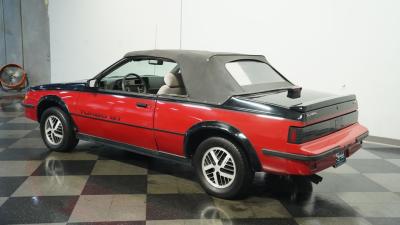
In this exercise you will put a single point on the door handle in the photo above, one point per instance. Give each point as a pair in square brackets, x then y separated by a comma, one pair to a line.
[141, 104]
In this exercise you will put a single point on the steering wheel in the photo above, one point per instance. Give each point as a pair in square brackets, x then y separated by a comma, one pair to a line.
[142, 83]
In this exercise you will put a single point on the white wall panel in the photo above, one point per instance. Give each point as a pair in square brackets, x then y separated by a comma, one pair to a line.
[337, 46]
[87, 36]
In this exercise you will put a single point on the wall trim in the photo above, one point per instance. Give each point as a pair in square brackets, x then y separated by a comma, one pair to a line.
[383, 140]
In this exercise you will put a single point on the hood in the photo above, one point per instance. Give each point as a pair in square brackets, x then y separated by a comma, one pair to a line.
[76, 85]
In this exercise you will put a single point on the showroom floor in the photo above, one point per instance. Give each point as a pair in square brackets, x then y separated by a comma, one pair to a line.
[99, 184]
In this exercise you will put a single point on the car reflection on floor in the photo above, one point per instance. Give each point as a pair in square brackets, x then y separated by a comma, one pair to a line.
[266, 192]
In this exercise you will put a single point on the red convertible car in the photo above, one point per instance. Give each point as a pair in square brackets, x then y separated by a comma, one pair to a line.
[228, 114]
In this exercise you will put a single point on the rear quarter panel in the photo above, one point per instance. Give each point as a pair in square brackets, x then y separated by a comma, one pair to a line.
[261, 130]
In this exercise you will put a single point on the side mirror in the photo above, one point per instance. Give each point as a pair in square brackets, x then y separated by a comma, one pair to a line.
[91, 83]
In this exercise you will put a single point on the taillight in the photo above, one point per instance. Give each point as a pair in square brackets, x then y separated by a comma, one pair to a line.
[292, 138]
[298, 135]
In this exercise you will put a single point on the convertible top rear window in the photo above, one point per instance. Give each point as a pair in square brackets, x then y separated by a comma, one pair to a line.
[249, 72]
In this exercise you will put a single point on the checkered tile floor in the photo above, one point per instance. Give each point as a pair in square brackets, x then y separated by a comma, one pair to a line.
[98, 184]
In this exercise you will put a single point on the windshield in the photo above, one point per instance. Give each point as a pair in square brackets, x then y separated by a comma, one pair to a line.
[248, 72]
[142, 67]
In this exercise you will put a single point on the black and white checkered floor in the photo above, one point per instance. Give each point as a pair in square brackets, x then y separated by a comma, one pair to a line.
[99, 185]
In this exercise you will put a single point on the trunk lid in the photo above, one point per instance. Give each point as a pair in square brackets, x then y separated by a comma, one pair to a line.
[313, 105]
[321, 113]
[308, 100]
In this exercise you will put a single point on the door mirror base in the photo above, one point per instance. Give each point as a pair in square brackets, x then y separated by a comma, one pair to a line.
[91, 83]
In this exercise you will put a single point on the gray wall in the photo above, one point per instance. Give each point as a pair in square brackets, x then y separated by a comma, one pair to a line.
[24, 37]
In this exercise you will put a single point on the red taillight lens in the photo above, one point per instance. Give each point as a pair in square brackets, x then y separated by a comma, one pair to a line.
[292, 138]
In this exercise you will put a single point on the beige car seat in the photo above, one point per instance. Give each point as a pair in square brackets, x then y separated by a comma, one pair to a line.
[172, 85]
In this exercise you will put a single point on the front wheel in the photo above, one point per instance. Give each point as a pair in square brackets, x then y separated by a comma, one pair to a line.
[57, 130]
[222, 168]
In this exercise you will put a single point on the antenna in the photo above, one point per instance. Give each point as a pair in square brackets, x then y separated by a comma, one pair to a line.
[155, 36]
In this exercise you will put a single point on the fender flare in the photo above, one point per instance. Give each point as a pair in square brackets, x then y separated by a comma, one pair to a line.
[53, 99]
[228, 130]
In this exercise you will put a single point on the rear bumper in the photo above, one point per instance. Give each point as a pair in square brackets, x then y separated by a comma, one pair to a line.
[316, 155]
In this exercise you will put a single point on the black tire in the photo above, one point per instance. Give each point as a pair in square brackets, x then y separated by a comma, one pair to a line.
[244, 174]
[69, 140]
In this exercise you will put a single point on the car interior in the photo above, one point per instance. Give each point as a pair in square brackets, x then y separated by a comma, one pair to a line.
[145, 76]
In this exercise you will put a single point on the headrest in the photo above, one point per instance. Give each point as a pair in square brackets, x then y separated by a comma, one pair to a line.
[171, 80]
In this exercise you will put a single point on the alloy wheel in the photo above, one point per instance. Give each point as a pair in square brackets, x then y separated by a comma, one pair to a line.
[218, 167]
[54, 130]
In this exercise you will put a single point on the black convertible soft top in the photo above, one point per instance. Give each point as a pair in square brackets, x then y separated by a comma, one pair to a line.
[205, 76]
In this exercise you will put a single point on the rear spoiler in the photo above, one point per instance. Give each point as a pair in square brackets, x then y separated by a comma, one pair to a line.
[317, 104]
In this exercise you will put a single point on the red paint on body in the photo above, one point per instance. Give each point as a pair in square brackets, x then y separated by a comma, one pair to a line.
[161, 126]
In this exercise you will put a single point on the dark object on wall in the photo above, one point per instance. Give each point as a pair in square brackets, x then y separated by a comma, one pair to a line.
[13, 77]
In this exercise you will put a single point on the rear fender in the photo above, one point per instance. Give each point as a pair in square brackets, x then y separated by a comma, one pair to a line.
[226, 130]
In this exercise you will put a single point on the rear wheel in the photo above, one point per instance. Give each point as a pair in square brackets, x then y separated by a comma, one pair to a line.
[222, 168]
[57, 130]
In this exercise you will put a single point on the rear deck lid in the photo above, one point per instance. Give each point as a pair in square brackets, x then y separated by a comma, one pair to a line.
[313, 105]
[308, 100]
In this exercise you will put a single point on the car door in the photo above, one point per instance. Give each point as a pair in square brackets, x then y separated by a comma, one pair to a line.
[123, 117]
[116, 117]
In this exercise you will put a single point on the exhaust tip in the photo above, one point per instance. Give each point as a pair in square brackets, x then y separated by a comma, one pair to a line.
[315, 178]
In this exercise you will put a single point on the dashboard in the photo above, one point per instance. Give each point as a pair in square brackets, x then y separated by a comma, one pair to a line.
[153, 83]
